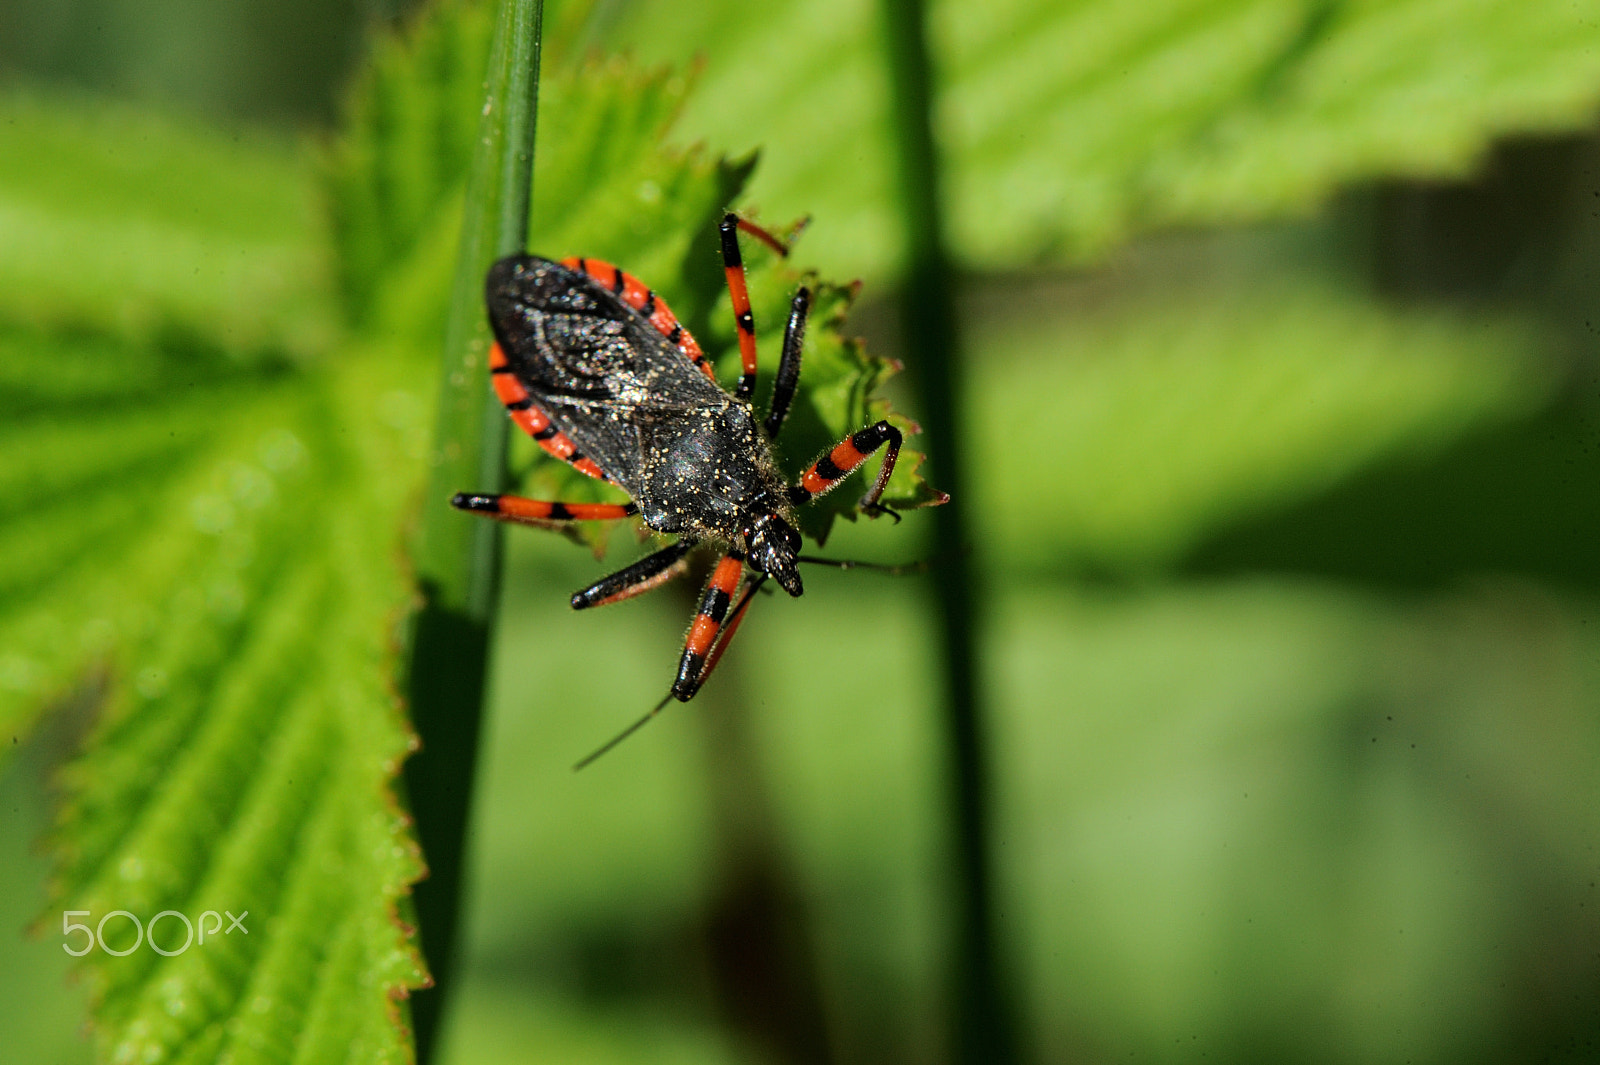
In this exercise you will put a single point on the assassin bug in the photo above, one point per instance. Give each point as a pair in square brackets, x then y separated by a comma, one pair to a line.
[594, 366]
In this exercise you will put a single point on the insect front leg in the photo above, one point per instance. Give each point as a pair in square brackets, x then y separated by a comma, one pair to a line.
[697, 666]
[702, 648]
[846, 455]
[537, 511]
[649, 572]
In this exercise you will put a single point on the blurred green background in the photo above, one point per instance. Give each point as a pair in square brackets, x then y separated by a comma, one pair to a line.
[1290, 530]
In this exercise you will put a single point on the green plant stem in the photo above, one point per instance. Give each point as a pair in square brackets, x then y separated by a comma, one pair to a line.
[458, 557]
[982, 1015]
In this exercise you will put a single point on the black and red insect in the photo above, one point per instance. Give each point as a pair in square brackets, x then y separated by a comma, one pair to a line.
[596, 368]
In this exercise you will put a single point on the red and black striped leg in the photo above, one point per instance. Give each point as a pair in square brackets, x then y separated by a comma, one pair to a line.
[698, 647]
[697, 667]
[725, 637]
[537, 511]
[849, 453]
[649, 572]
[733, 266]
[794, 338]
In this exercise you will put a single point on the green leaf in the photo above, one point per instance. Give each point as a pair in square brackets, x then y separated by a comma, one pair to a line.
[229, 560]
[1181, 843]
[202, 498]
[409, 126]
[1188, 404]
[144, 226]
[1067, 128]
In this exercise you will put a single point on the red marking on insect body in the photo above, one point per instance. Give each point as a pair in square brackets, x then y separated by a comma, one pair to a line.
[663, 320]
[561, 446]
[640, 297]
[509, 389]
[506, 386]
[602, 271]
[691, 348]
[533, 422]
[531, 419]
[634, 292]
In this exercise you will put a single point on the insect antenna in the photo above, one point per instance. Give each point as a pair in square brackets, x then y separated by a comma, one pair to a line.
[849, 563]
[625, 733]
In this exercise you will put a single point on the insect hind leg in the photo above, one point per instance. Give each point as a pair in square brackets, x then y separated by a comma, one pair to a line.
[739, 293]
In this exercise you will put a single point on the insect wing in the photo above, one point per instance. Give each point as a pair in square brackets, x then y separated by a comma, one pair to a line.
[591, 362]
[567, 337]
